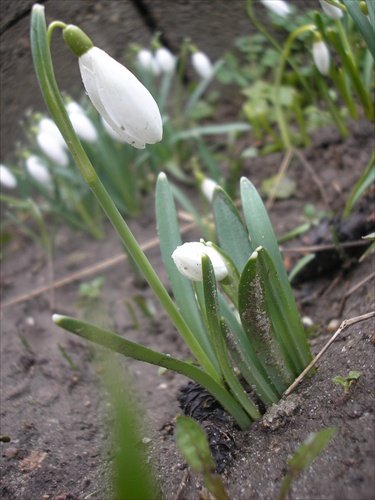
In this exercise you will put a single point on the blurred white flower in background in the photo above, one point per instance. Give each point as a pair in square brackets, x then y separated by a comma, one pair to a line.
[48, 126]
[279, 7]
[321, 56]
[331, 10]
[165, 59]
[38, 170]
[202, 64]
[7, 178]
[146, 59]
[52, 148]
[208, 187]
[83, 126]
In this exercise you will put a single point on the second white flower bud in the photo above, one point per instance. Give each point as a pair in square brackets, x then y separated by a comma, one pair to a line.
[188, 260]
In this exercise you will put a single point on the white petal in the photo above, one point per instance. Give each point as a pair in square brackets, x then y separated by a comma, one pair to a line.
[188, 260]
[279, 7]
[321, 57]
[122, 100]
[52, 148]
[208, 187]
[83, 127]
[202, 64]
[49, 127]
[165, 59]
[37, 170]
[331, 10]
[7, 178]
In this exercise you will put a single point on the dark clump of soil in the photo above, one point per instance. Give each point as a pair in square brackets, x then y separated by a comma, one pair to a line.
[54, 416]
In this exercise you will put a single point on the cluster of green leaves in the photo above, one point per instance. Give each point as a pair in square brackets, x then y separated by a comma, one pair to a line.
[255, 61]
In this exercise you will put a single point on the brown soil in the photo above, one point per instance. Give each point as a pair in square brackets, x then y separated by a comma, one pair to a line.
[55, 416]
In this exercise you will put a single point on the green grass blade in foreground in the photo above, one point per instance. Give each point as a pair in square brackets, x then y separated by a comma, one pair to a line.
[217, 329]
[193, 444]
[255, 313]
[131, 475]
[305, 454]
[128, 348]
[262, 234]
[170, 238]
[231, 232]
[367, 178]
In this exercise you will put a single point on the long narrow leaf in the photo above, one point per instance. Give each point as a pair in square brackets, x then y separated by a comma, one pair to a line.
[256, 317]
[217, 329]
[126, 347]
[170, 239]
[262, 234]
[362, 22]
[231, 231]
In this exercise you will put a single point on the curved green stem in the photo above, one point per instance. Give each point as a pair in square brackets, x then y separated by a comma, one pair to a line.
[284, 57]
[131, 349]
[47, 82]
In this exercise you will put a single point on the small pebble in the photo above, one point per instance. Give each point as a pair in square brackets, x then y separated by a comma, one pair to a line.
[333, 325]
[146, 440]
[11, 452]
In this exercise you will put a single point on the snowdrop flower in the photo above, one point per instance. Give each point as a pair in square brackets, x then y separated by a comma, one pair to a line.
[52, 148]
[279, 7]
[124, 103]
[7, 178]
[208, 187]
[188, 260]
[38, 170]
[111, 132]
[83, 127]
[148, 62]
[48, 126]
[165, 59]
[202, 64]
[331, 10]
[74, 107]
[321, 56]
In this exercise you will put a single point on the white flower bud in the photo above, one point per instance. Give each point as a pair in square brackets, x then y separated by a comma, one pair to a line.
[202, 64]
[331, 10]
[279, 7]
[83, 127]
[48, 126]
[148, 62]
[111, 132]
[188, 260]
[74, 107]
[321, 57]
[38, 170]
[165, 59]
[52, 148]
[208, 187]
[125, 104]
[7, 178]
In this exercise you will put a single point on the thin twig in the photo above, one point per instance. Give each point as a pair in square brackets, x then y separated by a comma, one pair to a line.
[328, 246]
[358, 285]
[344, 325]
[105, 264]
[315, 178]
[183, 485]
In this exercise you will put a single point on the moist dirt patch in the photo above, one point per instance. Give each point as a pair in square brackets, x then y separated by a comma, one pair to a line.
[56, 417]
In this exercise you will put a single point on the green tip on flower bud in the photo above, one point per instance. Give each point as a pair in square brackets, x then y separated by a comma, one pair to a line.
[77, 40]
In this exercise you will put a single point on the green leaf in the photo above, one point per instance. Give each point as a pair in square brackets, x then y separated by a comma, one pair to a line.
[305, 454]
[218, 329]
[362, 22]
[367, 178]
[193, 444]
[260, 318]
[231, 232]
[170, 239]
[262, 234]
[126, 347]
